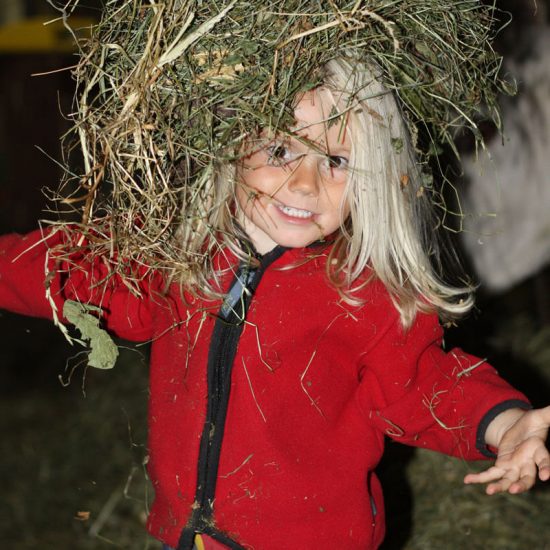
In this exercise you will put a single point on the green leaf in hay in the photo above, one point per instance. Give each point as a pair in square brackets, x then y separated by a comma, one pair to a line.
[103, 351]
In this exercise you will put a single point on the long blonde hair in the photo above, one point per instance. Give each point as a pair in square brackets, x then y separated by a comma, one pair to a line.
[389, 232]
[391, 227]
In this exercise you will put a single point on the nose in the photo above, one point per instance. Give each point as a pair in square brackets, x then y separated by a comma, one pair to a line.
[305, 177]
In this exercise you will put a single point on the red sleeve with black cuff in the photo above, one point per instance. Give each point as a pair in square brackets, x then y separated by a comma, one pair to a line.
[31, 266]
[420, 395]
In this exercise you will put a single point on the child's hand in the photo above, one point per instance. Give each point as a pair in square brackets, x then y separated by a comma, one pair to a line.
[520, 437]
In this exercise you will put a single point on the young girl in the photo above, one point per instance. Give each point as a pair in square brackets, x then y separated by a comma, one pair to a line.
[273, 389]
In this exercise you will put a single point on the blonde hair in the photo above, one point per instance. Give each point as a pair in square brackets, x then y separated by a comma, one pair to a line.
[388, 233]
[390, 230]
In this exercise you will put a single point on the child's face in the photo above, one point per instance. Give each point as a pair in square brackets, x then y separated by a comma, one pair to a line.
[290, 188]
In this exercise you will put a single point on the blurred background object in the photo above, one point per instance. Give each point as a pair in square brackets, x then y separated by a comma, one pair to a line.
[36, 90]
[506, 201]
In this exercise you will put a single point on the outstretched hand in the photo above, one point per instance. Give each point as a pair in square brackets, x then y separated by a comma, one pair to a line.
[520, 437]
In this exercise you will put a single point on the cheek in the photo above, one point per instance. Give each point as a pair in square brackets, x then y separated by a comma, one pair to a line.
[248, 195]
[336, 195]
[244, 195]
[261, 184]
[250, 179]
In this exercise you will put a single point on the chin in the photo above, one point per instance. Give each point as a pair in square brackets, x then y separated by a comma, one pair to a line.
[299, 243]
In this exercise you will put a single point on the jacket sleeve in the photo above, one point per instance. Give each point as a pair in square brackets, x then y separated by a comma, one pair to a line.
[31, 265]
[417, 394]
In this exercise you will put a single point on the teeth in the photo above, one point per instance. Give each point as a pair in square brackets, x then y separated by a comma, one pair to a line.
[295, 212]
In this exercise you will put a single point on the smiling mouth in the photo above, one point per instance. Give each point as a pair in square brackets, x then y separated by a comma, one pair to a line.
[294, 212]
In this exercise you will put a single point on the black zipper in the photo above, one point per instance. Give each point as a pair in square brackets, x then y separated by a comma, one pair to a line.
[223, 347]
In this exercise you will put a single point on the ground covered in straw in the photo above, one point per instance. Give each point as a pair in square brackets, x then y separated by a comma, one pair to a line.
[71, 464]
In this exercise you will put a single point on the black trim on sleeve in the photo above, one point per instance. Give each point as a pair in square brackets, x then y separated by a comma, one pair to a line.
[490, 416]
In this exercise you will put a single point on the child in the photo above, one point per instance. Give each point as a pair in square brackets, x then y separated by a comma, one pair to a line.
[310, 332]
[273, 389]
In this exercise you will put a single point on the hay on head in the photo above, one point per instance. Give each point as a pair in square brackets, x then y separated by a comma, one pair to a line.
[168, 91]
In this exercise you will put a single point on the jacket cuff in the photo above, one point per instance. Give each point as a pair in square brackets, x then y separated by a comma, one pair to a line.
[489, 417]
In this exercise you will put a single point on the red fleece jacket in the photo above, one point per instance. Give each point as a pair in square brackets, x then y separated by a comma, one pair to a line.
[315, 387]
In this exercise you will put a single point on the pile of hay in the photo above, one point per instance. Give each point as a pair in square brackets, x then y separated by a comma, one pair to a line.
[166, 90]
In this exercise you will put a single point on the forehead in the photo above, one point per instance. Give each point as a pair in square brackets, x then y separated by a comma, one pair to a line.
[320, 118]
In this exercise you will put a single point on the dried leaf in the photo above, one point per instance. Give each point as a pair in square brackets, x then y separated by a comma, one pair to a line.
[104, 352]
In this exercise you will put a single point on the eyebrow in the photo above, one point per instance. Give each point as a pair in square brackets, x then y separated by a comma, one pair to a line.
[320, 144]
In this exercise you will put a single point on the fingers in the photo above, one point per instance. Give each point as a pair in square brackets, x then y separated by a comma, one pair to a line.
[523, 484]
[544, 472]
[514, 481]
[542, 460]
[515, 472]
[522, 454]
[501, 480]
[491, 474]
